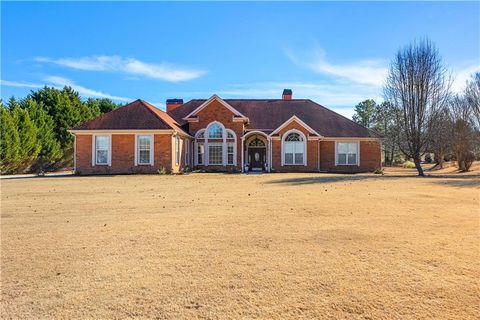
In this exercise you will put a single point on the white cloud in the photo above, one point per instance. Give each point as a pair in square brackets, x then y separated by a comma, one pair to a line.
[365, 72]
[131, 66]
[7, 83]
[59, 83]
[83, 91]
[461, 76]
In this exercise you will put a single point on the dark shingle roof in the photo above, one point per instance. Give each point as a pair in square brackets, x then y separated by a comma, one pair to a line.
[268, 114]
[137, 115]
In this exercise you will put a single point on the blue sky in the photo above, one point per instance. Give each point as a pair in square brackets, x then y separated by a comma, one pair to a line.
[334, 53]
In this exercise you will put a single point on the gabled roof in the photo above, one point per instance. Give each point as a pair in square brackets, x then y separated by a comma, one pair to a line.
[137, 115]
[269, 114]
[207, 102]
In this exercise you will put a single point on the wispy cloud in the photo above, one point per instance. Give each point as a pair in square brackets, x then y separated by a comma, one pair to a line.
[367, 72]
[16, 84]
[60, 82]
[130, 66]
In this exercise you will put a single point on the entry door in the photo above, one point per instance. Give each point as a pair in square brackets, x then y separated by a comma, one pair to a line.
[257, 157]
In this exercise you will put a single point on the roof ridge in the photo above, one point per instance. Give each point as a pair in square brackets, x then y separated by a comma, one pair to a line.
[338, 114]
[149, 106]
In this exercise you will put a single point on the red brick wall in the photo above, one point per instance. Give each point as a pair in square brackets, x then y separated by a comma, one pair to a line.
[370, 157]
[215, 111]
[312, 152]
[123, 155]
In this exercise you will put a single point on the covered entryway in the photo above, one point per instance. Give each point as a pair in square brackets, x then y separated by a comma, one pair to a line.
[256, 152]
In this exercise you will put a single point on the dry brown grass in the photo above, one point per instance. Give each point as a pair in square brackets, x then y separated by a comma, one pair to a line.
[234, 246]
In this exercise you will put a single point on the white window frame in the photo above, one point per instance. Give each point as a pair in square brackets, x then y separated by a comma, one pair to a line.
[232, 143]
[285, 135]
[357, 157]
[187, 152]
[196, 145]
[94, 150]
[137, 150]
[230, 131]
[177, 150]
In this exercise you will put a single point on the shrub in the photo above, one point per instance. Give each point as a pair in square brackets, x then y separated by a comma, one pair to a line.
[162, 170]
[379, 171]
[409, 164]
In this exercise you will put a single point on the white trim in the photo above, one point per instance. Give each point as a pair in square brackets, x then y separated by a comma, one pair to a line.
[137, 151]
[297, 119]
[94, 150]
[194, 119]
[304, 148]
[206, 103]
[358, 153]
[107, 132]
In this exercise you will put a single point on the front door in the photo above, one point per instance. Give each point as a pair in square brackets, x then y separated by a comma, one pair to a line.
[257, 157]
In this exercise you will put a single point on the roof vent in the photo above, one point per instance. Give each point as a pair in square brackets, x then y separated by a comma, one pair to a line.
[173, 104]
[287, 94]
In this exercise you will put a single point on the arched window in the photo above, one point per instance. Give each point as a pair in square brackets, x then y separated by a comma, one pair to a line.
[230, 134]
[294, 149]
[200, 134]
[215, 131]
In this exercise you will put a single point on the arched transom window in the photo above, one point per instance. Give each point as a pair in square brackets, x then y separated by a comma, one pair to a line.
[215, 131]
[256, 143]
[294, 149]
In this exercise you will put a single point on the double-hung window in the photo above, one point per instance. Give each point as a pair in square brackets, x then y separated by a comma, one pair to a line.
[187, 152]
[200, 153]
[347, 153]
[102, 150]
[230, 153]
[144, 150]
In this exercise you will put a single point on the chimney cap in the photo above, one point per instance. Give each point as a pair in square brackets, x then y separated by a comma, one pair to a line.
[174, 101]
[287, 92]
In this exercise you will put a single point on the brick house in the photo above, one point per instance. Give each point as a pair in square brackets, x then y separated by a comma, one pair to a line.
[281, 135]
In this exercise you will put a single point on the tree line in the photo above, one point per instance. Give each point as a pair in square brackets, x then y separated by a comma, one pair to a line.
[33, 130]
[421, 114]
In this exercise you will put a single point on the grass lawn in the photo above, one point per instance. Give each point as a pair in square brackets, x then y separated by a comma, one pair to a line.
[217, 246]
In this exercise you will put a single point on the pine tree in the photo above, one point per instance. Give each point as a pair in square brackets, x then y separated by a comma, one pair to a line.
[50, 150]
[9, 141]
[27, 132]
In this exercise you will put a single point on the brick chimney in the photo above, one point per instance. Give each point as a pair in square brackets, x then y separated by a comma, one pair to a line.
[173, 104]
[287, 94]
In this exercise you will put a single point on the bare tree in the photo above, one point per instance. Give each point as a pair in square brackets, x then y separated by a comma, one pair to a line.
[441, 135]
[417, 86]
[463, 132]
[472, 94]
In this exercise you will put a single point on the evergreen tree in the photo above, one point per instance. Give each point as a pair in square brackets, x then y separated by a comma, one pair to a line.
[50, 150]
[27, 132]
[365, 113]
[9, 141]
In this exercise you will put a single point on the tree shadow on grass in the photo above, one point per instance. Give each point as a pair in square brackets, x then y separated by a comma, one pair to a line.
[451, 180]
